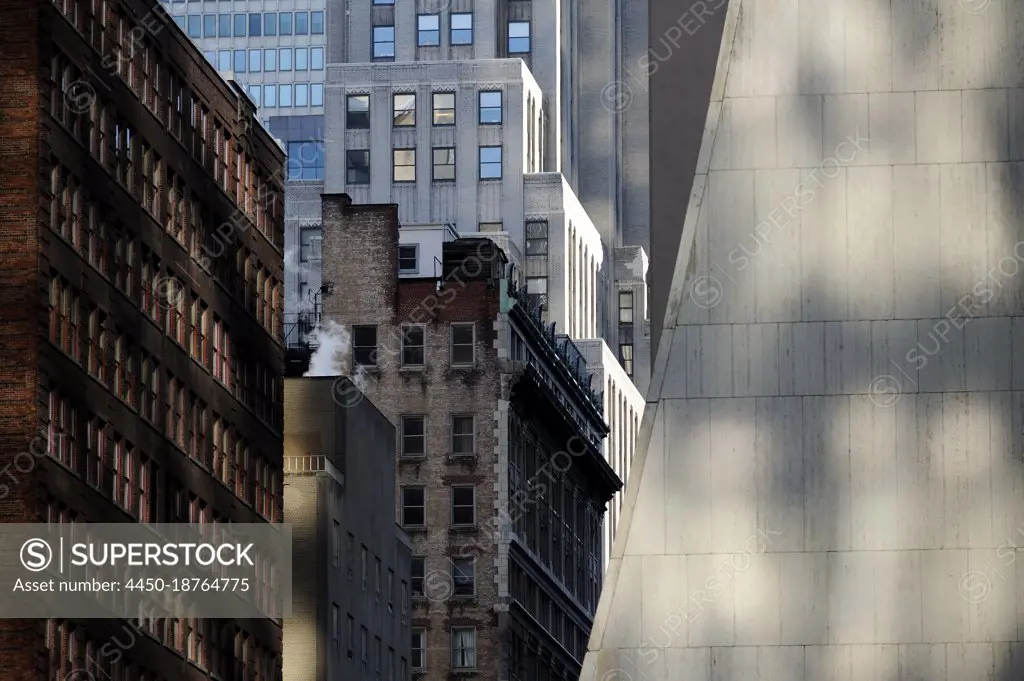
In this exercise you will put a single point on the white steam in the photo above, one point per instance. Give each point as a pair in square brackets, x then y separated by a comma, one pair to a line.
[334, 344]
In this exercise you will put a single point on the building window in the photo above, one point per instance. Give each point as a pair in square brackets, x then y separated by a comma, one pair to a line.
[428, 30]
[414, 436]
[414, 508]
[490, 163]
[284, 58]
[490, 108]
[403, 165]
[419, 650]
[377, 577]
[444, 108]
[383, 42]
[537, 238]
[301, 59]
[270, 23]
[209, 25]
[383, 2]
[464, 577]
[195, 26]
[463, 435]
[391, 591]
[364, 345]
[518, 37]
[364, 559]
[284, 94]
[408, 259]
[240, 21]
[357, 112]
[412, 346]
[625, 307]
[335, 626]
[463, 344]
[316, 59]
[269, 95]
[336, 544]
[302, 94]
[285, 23]
[417, 572]
[364, 645]
[223, 25]
[461, 29]
[255, 60]
[537, 291]
[464, 648]
[626, 358]
[357, 166]
[305, 160]
[255, 25]
[240, 62]
[316, 94]
[224, 61]
[404, 110]
[302, 23]
[444, 163]
[463, 505]
[316, 23]
[307, 237]
[490, 226]
[351, 636]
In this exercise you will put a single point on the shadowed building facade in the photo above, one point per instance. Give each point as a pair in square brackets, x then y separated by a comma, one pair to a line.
[828, 484]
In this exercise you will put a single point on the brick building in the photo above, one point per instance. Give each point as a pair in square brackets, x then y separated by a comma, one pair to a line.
[506, 542]
[141, 333]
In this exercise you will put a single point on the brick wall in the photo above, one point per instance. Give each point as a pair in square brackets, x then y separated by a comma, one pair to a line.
[360, 258]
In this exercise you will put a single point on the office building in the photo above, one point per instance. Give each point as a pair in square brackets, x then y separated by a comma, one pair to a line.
[153, 373]
[502, 482]
[827, 484]
[351, 592]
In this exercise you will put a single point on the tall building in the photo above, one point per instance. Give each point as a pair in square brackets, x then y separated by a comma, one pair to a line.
[155, 379]
[351, 593]
[828, 480]
[502, 482]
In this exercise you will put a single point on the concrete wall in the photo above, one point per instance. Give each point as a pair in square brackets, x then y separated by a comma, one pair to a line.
[828, 484]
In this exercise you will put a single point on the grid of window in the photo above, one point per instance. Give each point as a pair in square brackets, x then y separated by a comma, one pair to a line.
[463, 344]
[463, 435]
[404, 110]
[412, 346]
[305, 94]
[444, 108]
[357, 166]
[383, 42]
[254, 25]
[518, 37]
[463, 505]
[490, 163]
[490, 107]
[461, 29]
[414, 509]
[414, 436]
[364, 345]
[306, 160]
[428, 30]
[444, 163]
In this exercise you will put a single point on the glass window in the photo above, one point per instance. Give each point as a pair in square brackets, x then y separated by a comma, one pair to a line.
[408, 259]
[536, 237]
[224, 60]
[403, 165]
[211, 56]
[316, 58]
[429, 30]
[270, 59]
[419, 649]
[223, 25]
[464, 648]
[444, 108]
[284, 94]
[357, 112]
[462, 29]
[490, 107]
[417, 573]
[414, 436]
[255, 25]
[463, 577]
[383, 2]
[463, 343]
[490, 163]
[518, 37]
[316, 94]
[254, 92]
[195, 26]
[240, 61]
[302, 23]
[180, 21]
[269, 94]
[284, 57]
[463, 506]
[463, 435]
[209, 25]
[414, 506]
[404, 110]
[240, 24]
[301, 59]
[625, 305]
[270, 23]
[305, 161]
[357, 163]
[316, 23]
[255, 59]
[284, 23]
[302, 94]
[383, 42]
[364, 344]
[444, 163]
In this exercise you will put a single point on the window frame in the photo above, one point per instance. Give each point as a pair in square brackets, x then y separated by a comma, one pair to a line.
[422, 329]
[422, 489]
[422, 560]
[509, 37]
[412, 418]
[452, 29]
[421, 633]
[455, 560]
[456, 506]
[452, 449]
[420, 31]
[349, 170]
[444, 166]
[396, 116]
[356, 347]
[375, 42]
[481, 163]
[435, 110]
[403, 152]
[481, 108]
[351, 122]
[452, 344]
[461, 667]
[415, 255]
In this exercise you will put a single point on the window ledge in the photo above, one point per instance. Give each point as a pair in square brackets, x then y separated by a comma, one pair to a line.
[418, 458]
[461, 458]
[463, 529]
[412, 369]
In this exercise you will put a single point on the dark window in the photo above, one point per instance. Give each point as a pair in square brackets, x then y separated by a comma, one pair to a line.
[383, 42]
[240, 25]
[444, 108]
[463, 505]
[223, 25]
[195, 26]
[463, 435]
[490, 107]
[414, 502]
[418, 572]
[518, 37]
[305, 160]
[357, 114]
[461, 29]
[302, 23]
[412, 346]
[463, 577]
[404, 110]
[403, 165]
[464, 648]
[209, 25]
[463, 343]
[357, 166]
[364, 344]
[444, 163]
[255, 25]
[537, 238]
[408, 258]
[414, 437]
[428, 30]
[419, 649]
